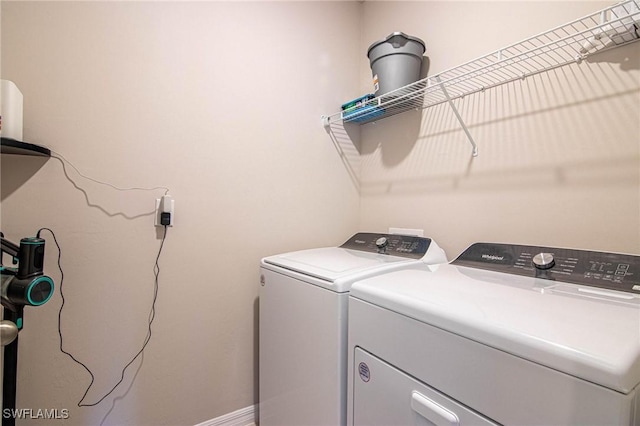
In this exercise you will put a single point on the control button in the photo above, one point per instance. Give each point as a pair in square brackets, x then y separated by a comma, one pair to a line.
[382, 242]
[543, 260]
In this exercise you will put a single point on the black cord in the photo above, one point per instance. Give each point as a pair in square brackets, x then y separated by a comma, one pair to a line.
[152, 314]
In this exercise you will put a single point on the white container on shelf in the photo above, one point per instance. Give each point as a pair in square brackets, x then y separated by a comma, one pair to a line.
[10, 110]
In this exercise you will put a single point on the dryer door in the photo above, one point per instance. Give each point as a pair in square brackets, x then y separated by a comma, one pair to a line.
[384, 395]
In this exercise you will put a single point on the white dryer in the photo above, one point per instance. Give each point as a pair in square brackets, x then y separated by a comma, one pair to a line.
[303, 323]
[504, 334]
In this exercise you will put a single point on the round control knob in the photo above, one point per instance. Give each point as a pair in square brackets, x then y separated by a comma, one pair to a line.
[382, 242]
[543, 261]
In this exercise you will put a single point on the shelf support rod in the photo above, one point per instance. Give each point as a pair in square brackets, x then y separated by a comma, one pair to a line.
[474, 152]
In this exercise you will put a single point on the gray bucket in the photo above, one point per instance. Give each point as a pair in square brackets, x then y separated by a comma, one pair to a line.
[395, 62]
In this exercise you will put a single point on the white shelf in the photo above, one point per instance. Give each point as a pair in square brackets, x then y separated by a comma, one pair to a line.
[608, 28]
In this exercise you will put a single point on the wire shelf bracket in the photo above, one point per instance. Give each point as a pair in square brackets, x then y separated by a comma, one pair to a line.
[474, 151]
[606, 29]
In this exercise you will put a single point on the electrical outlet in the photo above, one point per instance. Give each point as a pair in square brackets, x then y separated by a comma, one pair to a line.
[166, 204]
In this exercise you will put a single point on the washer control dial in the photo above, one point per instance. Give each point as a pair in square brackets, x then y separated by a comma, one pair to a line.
[543, 261]
[382, 242]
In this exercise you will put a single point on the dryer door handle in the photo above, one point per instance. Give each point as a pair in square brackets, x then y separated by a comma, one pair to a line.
[433, 411]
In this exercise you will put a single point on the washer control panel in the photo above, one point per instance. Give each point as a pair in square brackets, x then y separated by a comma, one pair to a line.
[597, 269]
[395, 245]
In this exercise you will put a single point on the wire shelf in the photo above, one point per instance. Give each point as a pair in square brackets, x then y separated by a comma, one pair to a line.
[608, 28]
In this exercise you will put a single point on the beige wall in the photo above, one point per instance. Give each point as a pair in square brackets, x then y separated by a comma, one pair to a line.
[221, 103]
[559, 153]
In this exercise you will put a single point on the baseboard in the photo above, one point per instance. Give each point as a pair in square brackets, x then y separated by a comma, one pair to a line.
[242, 417]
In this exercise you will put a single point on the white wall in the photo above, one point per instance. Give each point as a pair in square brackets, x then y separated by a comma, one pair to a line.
[559, 153]
[221, 103]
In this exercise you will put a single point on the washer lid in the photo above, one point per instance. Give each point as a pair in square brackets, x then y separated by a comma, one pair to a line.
[593, 334]
[337, 267]
[361, 256]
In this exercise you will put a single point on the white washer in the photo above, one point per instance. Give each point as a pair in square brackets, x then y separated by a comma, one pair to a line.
[303, 323]
[505, 334]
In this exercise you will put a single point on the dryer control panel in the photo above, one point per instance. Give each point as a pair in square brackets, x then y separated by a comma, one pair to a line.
[395, 245]
[612, 271]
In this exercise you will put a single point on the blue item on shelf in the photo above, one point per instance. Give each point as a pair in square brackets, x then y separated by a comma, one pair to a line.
[365, 113]
[357, 103]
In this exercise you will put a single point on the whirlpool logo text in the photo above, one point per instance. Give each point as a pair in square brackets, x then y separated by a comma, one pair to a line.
[492, 257]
